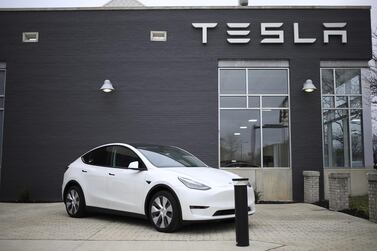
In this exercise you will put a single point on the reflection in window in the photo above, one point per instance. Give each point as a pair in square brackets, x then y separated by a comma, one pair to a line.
[327, 81]
[240, 138]
[356, 125]
[342, 123]
[347, 81]
[275, 101]
[232, 102]
[275, 138]
[268, 81]
[233, 81]
[335, 127]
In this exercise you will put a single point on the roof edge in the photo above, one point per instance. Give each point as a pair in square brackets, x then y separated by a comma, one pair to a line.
[193, 8]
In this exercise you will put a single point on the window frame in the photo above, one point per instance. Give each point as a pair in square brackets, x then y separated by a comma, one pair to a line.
[142, 166]
[2, 110]
[141, 163]
[260, 108]
[95, 149]
[348, 109]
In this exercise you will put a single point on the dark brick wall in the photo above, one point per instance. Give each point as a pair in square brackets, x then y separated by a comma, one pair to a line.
[166, 93]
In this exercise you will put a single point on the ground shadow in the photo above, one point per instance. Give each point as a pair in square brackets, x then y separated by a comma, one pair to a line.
[187, 227]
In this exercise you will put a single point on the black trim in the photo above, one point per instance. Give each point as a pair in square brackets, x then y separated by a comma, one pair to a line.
[116, 212]
[199, 207]
[227, 212]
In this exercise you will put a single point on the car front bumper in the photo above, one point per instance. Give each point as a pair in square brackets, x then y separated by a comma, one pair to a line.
[212, 204]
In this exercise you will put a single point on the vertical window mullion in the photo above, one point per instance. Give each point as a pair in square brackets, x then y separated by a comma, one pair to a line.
[261, 131]
[247, 87]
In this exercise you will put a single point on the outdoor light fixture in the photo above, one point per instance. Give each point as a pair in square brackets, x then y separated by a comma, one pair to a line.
[309, 86]
[252, 120]
[236, 134]
[107, 86]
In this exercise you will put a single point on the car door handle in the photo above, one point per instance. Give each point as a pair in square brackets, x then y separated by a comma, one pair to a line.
[111, 174]
[84, 171]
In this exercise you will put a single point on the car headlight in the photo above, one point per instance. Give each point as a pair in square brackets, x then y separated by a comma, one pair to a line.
[193, 184]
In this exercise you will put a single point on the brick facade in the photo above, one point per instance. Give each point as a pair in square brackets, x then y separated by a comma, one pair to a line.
[311, 186]
[372, 194]
[338, 191]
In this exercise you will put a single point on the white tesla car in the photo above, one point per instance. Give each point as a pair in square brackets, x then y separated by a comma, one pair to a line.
[165, 184]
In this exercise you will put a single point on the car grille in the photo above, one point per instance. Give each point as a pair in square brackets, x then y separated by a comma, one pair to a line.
[227, 212]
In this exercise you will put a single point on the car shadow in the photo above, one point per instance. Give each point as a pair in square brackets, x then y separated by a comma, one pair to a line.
[187, 227]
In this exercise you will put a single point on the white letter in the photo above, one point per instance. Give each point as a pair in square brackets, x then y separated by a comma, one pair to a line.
[265, 32]
[327, 33]
[204, 27]
[298, 40]
[239, 40]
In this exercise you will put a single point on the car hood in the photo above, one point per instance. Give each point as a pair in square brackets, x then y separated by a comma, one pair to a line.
[209, 176]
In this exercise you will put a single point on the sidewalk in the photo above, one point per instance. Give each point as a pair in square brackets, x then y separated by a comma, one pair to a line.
[276, 226]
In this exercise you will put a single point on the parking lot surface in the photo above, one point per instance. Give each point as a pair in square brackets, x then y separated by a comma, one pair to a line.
[46, 226]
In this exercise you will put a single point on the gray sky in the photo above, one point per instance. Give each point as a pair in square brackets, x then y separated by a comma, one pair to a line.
[96, 3]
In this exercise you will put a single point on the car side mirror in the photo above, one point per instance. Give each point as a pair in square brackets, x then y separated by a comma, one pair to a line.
[134, 165]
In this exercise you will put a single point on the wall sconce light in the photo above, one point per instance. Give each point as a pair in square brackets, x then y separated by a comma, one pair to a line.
[107, 86]
[309, 86]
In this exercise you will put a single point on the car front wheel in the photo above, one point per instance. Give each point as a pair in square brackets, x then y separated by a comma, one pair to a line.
[75, 202]
[164, 212]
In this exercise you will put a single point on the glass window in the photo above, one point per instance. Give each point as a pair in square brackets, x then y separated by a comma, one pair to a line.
[2, 82]
[240, 138]
[254, 102]
[327, 81]
[99, 157]
[232, 81]
[336, 137]
[347, 81]
[275, 101]
[341, 102]
[328, 102]
[124, 156]
[240, 128]
[355, 102]
[342, 124]
[266, 81]
[357, 138]
[275, 138]
[168, 156]
[233, 102]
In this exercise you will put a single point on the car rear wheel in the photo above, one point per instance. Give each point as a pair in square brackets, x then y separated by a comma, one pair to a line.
[75, 202]
[164, 212]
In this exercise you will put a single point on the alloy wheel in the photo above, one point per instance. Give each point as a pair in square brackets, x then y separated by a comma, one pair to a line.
[162, 212]
[72, 201]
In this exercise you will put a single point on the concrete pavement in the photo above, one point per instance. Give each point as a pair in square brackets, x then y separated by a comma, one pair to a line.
[46, 226]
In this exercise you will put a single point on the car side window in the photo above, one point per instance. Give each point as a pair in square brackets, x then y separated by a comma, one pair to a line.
[99, 157]
[124, 156]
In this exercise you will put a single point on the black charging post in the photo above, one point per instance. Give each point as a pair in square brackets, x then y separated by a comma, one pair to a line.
[242, 218]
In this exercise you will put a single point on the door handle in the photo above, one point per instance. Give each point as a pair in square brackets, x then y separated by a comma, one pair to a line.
[84, 171]
[111, 174]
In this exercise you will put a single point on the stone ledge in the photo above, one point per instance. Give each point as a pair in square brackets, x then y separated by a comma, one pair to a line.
[372, 176]
[311, 173]
[339, 175]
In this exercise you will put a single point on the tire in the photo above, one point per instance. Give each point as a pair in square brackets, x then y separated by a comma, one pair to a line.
[74, 201]
[164, 212]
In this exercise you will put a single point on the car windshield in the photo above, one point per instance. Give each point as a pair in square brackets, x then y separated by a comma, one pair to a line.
[168, 156]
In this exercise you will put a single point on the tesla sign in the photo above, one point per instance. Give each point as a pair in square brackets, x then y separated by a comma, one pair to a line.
[238, 33]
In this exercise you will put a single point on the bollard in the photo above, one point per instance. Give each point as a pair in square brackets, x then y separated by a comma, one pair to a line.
[241, 211]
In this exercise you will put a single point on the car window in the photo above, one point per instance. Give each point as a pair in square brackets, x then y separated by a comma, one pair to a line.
[99, 157]
[124, 156]
[168, 156]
